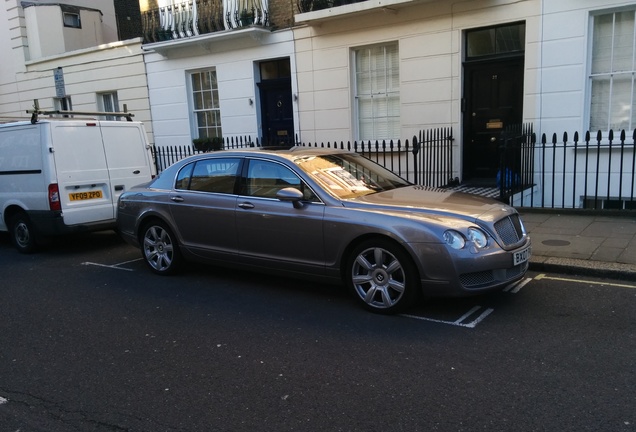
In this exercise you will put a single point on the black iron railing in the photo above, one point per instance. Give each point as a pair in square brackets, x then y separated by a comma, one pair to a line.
[590, 173]
[197, 17]
[411, 160]
[593, 172]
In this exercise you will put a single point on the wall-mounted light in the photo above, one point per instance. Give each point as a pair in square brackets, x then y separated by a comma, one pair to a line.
[251, 102]
[295, 96]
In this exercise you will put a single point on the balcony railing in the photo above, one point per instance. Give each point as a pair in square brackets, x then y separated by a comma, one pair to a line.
[194, 18]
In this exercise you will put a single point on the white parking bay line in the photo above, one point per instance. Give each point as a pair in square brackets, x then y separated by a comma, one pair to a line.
[113, 266]
[514, 288]
[3, 400]
[459, 322]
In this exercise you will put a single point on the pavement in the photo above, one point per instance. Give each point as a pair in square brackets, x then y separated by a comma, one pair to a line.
[601, 244]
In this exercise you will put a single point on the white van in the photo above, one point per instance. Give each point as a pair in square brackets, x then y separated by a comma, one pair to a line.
[63, 176]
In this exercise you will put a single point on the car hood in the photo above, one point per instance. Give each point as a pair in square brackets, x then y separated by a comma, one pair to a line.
[433, 202]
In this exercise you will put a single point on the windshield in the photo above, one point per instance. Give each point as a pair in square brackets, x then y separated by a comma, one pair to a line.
[349, 175]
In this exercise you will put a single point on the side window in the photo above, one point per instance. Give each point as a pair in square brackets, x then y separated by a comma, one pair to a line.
[265, 179]
[215, 175]
[183, 178]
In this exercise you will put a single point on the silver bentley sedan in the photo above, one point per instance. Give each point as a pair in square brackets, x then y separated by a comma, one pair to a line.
[328, 215]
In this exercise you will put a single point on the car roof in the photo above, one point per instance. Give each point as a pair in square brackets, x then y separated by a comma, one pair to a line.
[289, 154]
[286, 153]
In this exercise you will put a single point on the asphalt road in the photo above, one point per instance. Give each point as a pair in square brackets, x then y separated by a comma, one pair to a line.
[92, 341]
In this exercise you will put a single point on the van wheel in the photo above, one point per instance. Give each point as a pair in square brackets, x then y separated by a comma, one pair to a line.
[159, 248]
[22, 233]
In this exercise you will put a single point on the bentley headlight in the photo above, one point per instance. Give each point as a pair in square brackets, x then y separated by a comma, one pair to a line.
[454, 239]
[478, 237]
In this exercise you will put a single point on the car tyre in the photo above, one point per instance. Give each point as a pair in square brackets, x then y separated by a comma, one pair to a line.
[23, 234]
[160, 249]
[382, 277]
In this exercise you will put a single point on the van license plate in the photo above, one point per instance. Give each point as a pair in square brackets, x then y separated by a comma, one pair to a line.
[79, 196]
[521, 256]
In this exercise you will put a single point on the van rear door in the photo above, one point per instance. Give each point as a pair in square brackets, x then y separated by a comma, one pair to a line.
[127, 155]
[82, 172]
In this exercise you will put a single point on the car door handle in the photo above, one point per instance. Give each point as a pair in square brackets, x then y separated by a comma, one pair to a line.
[177, 199]
[246, 205]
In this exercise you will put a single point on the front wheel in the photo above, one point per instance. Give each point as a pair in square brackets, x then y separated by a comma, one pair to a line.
[159, 248]
[382, 276]
[22, 233]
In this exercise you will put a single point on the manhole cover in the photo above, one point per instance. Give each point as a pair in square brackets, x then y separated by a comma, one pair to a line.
[556, 242]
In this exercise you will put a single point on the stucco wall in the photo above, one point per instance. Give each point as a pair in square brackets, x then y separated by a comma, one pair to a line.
[562, 70]
[113, 67]
[117, 67]
[235, 61]
[556, 95]
[431, 53]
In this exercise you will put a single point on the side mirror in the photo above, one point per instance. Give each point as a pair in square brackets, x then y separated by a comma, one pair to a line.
[292, 195]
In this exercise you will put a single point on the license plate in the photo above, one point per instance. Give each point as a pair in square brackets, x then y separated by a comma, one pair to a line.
[521, 256]
[80, 196]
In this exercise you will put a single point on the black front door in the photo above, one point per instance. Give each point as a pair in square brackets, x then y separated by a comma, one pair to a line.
[277, 113]
[493, 102]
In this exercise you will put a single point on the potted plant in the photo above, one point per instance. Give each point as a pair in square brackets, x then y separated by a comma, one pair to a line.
[247, 17]
[207, 144]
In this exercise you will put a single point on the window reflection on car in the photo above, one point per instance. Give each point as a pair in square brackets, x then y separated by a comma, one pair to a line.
[349, 175]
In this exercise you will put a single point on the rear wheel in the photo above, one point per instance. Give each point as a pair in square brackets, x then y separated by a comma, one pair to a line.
[22, 233]
[382, 276]
[159, 248]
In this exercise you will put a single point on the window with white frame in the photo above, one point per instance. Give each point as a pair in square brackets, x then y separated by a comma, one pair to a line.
[205, 101]
[613, 88]
[71, 20]
[108, 102]
[63, 104]
[377, 92]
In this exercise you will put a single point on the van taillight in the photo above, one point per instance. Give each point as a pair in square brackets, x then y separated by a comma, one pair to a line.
[54, 197]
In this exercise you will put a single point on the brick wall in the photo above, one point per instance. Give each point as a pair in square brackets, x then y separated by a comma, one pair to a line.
[281, 13]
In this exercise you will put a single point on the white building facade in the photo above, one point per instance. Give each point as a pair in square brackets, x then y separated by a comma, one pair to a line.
[335, 71]
[68, 57]
[386, 70]
[216, 73]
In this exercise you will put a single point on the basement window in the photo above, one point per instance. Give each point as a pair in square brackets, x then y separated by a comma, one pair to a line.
[612, 203]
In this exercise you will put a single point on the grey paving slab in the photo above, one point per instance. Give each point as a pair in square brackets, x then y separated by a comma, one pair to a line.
[627, 256]
[618, 228]
[559, 245]
[607, 254]
[616, 242]
[595, 244]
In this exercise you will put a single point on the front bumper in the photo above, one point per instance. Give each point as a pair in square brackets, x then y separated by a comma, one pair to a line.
[456, 273]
